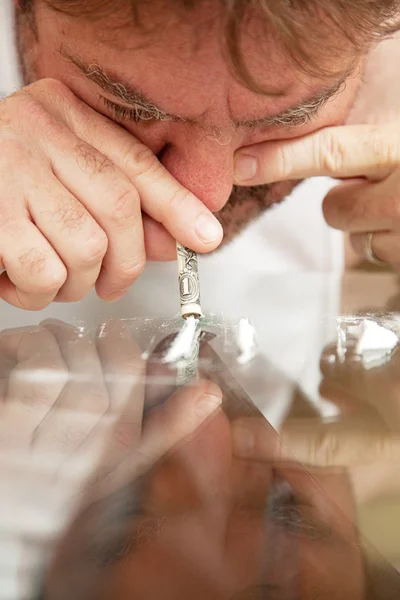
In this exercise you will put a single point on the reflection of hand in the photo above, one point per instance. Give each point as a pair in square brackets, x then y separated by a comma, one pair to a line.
[366, 437]
[204, 523]
[72, 410]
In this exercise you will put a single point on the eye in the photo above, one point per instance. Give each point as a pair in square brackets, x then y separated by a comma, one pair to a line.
[294, 513]
[123, 113]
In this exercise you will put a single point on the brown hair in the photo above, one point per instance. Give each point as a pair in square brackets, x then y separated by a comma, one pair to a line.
[316, 34]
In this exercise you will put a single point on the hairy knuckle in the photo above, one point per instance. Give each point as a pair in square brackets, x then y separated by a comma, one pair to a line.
[69, 213]
[49, 273]
[90, 160]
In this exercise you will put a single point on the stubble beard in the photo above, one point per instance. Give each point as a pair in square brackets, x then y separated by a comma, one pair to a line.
[245, 204]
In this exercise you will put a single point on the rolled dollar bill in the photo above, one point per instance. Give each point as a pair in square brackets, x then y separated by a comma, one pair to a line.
[189, 283]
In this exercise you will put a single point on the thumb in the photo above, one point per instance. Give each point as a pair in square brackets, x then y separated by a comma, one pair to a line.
[339, 152]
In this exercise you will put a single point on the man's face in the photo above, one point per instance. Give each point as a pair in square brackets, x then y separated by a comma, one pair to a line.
[175, 90]
[212, 526]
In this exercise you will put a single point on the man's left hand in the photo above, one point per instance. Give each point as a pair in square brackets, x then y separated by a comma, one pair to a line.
[366, 157]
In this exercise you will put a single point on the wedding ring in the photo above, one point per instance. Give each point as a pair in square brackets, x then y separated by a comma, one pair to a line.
[369, 254]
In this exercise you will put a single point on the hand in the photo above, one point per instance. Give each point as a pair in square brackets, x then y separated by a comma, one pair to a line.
[82, 202]
[71, 412]
[368, 155]
[364, 440]
[203, 523]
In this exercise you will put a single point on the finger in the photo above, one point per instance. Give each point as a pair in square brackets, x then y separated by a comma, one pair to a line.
[34, 385]
[34, 272]
[253, 438]
[358, 207]
[385, 246]
[353, 441]
[124, 370]
[118, 432]
[162, 197]
[107, 194]
[168, 425]
[71, 231]
[339, 152]
[160, 245]
[82, 403]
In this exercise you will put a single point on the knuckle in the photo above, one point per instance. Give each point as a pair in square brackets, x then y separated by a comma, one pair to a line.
[125, 434]
[94, 249]
[33, 116]
[70, 435]
[48, 85]
[178, 201]
[48, 275]
[285, 163]
[98, 401]
[126, 206]
[139, 160]
[42, 393]
[70, 214]
[129, 272]
[90, 160]
[49, 91]
[383, 146]
[330, 153]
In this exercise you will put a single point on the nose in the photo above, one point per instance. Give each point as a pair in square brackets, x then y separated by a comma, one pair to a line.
[202, 165]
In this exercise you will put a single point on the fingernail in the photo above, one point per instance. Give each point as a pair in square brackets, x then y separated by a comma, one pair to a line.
[207, 404]
[116, 295]
[243, 441]
[245, 167]
[208, 228]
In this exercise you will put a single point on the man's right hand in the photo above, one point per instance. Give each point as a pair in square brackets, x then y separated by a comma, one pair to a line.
[82, 202]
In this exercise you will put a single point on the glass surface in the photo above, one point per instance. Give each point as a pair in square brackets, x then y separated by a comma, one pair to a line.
[120, 481]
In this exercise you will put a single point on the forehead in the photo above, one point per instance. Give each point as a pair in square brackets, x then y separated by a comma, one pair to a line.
[186, 56]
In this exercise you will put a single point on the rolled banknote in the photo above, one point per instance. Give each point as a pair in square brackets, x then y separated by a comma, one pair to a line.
[189, 284]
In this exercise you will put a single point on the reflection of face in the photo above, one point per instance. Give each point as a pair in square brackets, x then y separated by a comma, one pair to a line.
[184, 73]
[217, 528]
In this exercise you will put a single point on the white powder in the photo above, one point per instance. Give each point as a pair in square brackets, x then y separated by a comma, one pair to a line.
[246, 341]
[183, 344]
[375, 343]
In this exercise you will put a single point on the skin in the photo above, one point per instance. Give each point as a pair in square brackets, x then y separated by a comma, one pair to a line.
[95, 198]
[205, 531]
[205, 522]
[364, 155]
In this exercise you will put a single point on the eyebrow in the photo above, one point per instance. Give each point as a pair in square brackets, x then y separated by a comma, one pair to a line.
[295, 116]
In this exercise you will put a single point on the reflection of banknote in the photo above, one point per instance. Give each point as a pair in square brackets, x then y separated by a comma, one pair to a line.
[189, 284]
